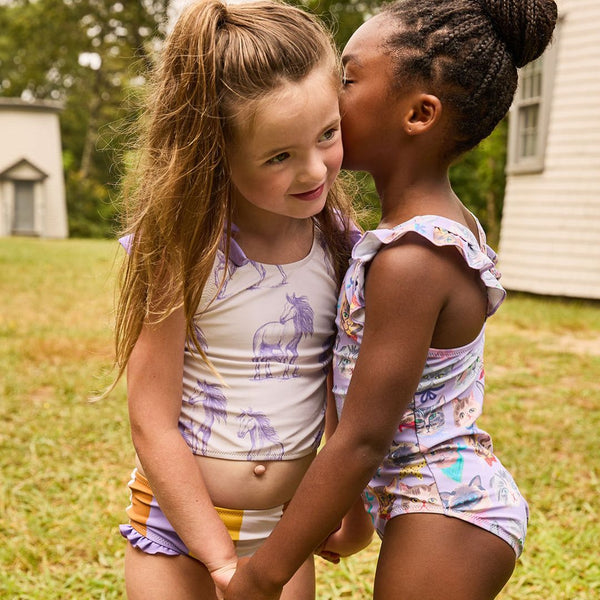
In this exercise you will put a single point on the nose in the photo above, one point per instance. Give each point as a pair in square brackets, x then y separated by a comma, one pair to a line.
[314, 169]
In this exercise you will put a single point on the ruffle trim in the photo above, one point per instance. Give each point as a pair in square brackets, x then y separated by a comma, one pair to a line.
[441, 232]
[137, 540]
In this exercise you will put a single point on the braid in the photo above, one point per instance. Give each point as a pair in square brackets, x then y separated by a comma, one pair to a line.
[468, 51]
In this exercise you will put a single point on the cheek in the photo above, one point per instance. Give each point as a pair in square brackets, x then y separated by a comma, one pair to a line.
[248, 181]
[349, 104]
[348, 127]
[336, 157]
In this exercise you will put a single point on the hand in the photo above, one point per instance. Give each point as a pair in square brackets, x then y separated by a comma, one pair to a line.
[331, 557]
[354, 534]
[325, 552]
[339, 545]
[222, 576]
[243, 586]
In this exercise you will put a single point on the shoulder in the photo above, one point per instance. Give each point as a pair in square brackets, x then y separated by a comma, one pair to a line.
[412, 260]
[409, 276]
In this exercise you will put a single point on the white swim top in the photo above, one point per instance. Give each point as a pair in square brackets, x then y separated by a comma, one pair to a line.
[268, 333]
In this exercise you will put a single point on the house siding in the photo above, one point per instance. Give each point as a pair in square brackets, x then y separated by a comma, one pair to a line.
[550, 236]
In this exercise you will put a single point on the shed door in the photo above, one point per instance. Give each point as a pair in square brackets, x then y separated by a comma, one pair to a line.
[24, 208]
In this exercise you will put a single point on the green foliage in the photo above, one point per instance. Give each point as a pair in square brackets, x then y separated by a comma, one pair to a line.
[479, 180]
[342, 17]
[65, 461]
[91, 210]
[48, 49]
[87, 54]
[366, 201]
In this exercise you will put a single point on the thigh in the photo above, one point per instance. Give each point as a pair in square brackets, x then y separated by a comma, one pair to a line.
[302, 585]
[429, 557]
[157, 576]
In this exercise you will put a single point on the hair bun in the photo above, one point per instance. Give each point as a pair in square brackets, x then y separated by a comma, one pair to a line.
[526, 26]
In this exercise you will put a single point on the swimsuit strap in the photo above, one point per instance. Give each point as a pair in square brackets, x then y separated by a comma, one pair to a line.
[441, 231]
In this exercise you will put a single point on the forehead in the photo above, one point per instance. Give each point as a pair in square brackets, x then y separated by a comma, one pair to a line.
[369, 38]
[291, 112]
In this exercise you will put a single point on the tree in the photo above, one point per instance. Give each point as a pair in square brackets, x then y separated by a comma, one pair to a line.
[479, 179]
[92, 54]
[342, 17]
[87, 54]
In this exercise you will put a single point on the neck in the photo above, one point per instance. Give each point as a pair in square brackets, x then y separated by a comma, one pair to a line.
[272, 239]
[412, 190]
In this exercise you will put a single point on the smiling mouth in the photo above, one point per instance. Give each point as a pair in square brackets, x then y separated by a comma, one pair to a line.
[312, 195]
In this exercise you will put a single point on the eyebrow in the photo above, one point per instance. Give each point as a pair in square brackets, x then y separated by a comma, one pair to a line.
[350, 58]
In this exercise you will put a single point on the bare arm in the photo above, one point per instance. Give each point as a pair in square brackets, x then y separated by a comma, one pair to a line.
[402, 307]
[356, 529]
[154, 384]
[355, 533]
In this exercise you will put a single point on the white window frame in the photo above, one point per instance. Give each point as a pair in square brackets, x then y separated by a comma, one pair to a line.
[531, 97]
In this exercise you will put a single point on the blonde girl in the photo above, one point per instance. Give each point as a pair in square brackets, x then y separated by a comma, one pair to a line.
[236, 239]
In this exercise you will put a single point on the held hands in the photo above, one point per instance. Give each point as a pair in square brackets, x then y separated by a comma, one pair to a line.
[354, 534]
[340, 544]
[222, 576]
[245, 586]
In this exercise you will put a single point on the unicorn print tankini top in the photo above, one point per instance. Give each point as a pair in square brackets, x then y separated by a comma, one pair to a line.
[268, 332]
[440, 461]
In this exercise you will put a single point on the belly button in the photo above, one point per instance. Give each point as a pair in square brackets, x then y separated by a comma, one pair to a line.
[259, 470]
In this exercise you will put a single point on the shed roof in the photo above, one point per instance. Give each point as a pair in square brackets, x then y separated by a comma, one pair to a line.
[33, 105]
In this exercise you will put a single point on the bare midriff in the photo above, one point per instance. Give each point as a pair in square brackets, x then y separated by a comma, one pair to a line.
[250, 484]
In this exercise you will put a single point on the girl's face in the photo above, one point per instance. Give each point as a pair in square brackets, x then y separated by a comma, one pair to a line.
[285, 158]
[369, 109]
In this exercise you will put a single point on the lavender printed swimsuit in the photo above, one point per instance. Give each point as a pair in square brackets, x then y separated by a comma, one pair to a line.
[440, 461]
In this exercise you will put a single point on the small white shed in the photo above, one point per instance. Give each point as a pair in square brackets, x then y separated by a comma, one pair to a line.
[550, 235]
[32, 188]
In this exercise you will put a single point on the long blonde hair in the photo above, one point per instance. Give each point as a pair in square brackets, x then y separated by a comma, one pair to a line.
[178, 199]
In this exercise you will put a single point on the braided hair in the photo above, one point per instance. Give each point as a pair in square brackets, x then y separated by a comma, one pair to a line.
[468, 52]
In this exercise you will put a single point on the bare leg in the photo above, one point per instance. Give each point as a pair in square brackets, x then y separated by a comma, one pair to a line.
[302, 585]
[157, 576]
[432, 556]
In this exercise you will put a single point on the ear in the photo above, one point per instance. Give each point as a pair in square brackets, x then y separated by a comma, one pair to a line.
[425, 112]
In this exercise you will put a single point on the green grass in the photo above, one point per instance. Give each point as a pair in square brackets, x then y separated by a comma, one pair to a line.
[65, 461]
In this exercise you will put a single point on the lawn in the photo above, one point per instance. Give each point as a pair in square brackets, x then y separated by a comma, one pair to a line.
[65, 460]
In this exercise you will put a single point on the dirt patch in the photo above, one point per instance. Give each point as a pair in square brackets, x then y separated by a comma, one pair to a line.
[574, 345]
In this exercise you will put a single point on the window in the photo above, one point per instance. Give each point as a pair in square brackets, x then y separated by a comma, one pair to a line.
[24, 213]
[529, 115]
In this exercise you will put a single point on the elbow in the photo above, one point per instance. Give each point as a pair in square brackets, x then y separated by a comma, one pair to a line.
[138, 432]
[140, 437]
[370, 453]
[365, 453]
[148, 437]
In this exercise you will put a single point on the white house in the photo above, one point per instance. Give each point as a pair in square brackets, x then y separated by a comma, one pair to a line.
[32, 188]
[550, 235]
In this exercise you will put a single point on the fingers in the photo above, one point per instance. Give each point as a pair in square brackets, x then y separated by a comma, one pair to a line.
[331, 557]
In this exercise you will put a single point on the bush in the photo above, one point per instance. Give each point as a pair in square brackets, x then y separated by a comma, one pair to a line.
[92, 212]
